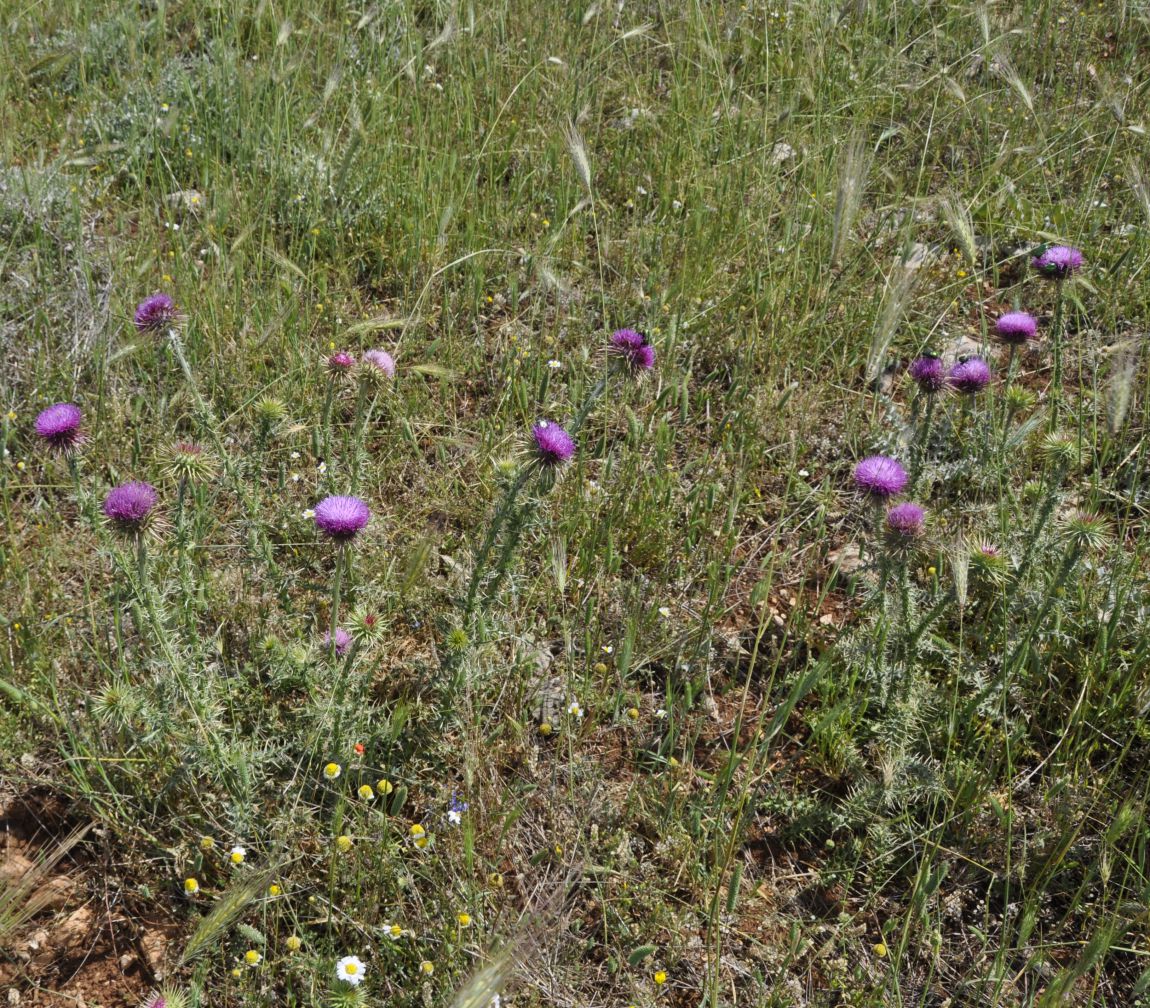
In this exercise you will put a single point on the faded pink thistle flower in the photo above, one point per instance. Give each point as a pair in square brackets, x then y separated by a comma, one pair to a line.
[342, 641]
[381, 360]
[928, 373]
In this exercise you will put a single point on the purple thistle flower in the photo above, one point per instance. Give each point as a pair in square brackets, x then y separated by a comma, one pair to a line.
[59, 426]
[340, 362]
[634, 348]
[341, 518]
[552, 443]
[969, 375]
[928, 373]
[880, 476]
[381, 360]
[154, 313]
[129, 505]
[906, 521]
[342, 641]
[1016, 327]
[1058, 262]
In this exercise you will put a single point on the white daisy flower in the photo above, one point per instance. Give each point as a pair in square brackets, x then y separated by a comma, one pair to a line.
[350, 969]
[574, 709]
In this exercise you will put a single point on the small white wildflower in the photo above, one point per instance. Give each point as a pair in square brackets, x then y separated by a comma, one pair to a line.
[350, 970]
[307, 513]
[664, 611]
[294, 456]
[295, 477]
[236, 855]
[661, 713]
[803, 473]
[321, 468]
[553, 364]
[608, 649]
[574, 709]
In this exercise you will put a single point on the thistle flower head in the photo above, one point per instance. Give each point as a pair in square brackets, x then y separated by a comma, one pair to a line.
[1060, 449]
[1086, 529]
[186, 460]
[129, 506]
[340, 362]
[880, 476]
[1057, 262]
[155, 312]
[341, 518]
[165, 997]
[380, 360]
[634, 349]
[342, 641]
[905, 521]
[553, 445]
[928, 373]
[1016, 327]
[366, 626]
[270, 412]
[59, 426]
[989, 563]
[970, 375]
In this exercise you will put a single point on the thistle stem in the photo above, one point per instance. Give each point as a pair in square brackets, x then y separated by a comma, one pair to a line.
[1056, 332]
[336, 584]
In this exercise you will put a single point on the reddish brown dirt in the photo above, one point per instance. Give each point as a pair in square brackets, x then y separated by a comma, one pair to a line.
[82, 947]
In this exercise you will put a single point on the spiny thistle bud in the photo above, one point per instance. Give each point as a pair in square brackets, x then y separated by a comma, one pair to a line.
[270, 413]
[1019, 399]
[1059, 449]
[1086, 529]
[366, 626]
[457, 640]
[186, 460]
[988, 563]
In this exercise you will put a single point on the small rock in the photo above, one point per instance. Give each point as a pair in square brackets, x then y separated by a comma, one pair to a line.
[847, 560]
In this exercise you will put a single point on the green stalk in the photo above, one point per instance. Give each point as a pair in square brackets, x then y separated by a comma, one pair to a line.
[497, 521]
[1056, 387]
[335, 589]
[921, 442]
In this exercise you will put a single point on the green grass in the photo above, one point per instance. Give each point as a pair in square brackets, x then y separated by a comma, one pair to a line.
[793, 783]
